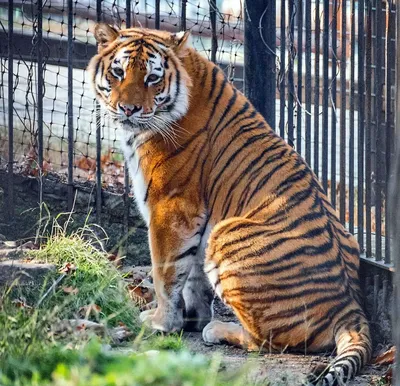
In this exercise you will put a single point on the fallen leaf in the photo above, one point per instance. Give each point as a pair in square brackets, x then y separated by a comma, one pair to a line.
[20, 303]
[68, 268]
[70, 290]
[85, 311]
[386, 358]
[81, 327]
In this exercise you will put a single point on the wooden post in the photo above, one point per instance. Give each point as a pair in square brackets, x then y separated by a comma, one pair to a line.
[260, 56]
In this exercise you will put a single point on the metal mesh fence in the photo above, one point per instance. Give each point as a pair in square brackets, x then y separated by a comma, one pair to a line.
[54, 46]
[334, 95]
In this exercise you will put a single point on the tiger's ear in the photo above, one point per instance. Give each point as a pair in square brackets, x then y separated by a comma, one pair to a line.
[105, 35]
[181, 42]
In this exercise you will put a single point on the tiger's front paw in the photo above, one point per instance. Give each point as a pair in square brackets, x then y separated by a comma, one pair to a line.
[160, 320]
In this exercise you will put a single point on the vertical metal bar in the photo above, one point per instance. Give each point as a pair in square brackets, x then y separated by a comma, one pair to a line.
[70, 108]
[157, 19]
[128, 14]
[333, 101]
[282, 71]
[9, 203]
[395, 205]
[308, 85]
[325, 96]
[299, 73]
[213, 20]
[126, 171]
[183, 15]
[390, 53]
[361, 117]
[290, 138]
[380, 149]
[351, 123]
[39, 57]
[342, 197]
[368, 129]
[260, 57]
[98, 139]
[316, 86]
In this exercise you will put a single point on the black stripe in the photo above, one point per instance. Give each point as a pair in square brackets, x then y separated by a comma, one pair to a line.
[228, 108]
[189, 252]
[240, 113]
[248, 142]
[213, 81]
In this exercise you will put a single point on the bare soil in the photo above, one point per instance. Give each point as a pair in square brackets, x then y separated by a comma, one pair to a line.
[279, 369]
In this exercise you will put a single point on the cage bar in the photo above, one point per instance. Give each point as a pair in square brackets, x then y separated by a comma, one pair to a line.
[316, 86]
[308, 84]
[351, 123]
[126, 171]
[290, 136]
[157, 17]
[282, 80]
[299, 124]
[379, 133]
[361, 125]
[98, 138]
[260, 57]
[214, 40]
[333, 103]
[390, 53]
[325, 95]
[128, 14]
[39, 58]
[368, 129]
[9, 202]
[70, 108]
[342, 190]
[182, 21]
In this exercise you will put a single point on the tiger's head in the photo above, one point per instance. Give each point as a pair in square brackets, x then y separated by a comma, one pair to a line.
[139, 78]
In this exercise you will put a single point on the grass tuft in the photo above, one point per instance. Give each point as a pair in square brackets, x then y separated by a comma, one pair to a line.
[94, 289]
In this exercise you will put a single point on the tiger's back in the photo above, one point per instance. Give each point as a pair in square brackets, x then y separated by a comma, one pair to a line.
[219, 188]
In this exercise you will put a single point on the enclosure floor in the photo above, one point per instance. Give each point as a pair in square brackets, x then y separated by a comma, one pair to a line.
[278, 369]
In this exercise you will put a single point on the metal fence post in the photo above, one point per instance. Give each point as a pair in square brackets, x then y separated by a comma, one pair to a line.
[260, 56]
[98, 139]
[395, 202]
[213, 20]
[70, 108]
[9, 203]
[40, 83]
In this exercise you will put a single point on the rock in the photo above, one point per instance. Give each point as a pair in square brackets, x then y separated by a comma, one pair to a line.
[27, 274]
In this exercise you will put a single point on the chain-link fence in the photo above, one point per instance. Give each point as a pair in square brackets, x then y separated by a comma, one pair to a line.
[332, 98]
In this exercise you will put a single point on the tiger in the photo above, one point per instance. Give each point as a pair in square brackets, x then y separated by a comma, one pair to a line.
[231, 209]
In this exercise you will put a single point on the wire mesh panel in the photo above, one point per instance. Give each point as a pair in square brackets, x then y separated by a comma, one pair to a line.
[54, 111]
[333, 102]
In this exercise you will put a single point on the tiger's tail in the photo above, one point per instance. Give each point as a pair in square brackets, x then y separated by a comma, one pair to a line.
[354, 348]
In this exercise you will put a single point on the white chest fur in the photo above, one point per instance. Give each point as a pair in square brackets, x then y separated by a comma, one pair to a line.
[138, 182]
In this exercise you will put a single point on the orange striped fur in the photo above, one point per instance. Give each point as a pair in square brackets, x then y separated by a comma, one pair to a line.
[231, 208]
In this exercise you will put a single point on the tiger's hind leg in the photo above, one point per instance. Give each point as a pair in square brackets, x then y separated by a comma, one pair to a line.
[228, 332]
[198, 296]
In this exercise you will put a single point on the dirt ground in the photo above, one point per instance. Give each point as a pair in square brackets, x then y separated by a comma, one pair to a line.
[279, 369]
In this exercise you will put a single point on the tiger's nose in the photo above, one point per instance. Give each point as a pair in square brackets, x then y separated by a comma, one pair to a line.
[130, 109]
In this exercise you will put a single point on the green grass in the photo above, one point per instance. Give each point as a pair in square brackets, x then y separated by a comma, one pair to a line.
[33, 353]
[92, 366]
[94, 290]
[95, 283]
[173, 342]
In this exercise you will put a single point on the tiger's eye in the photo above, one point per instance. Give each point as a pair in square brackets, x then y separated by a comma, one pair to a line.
[119, 72]
[152, 78]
